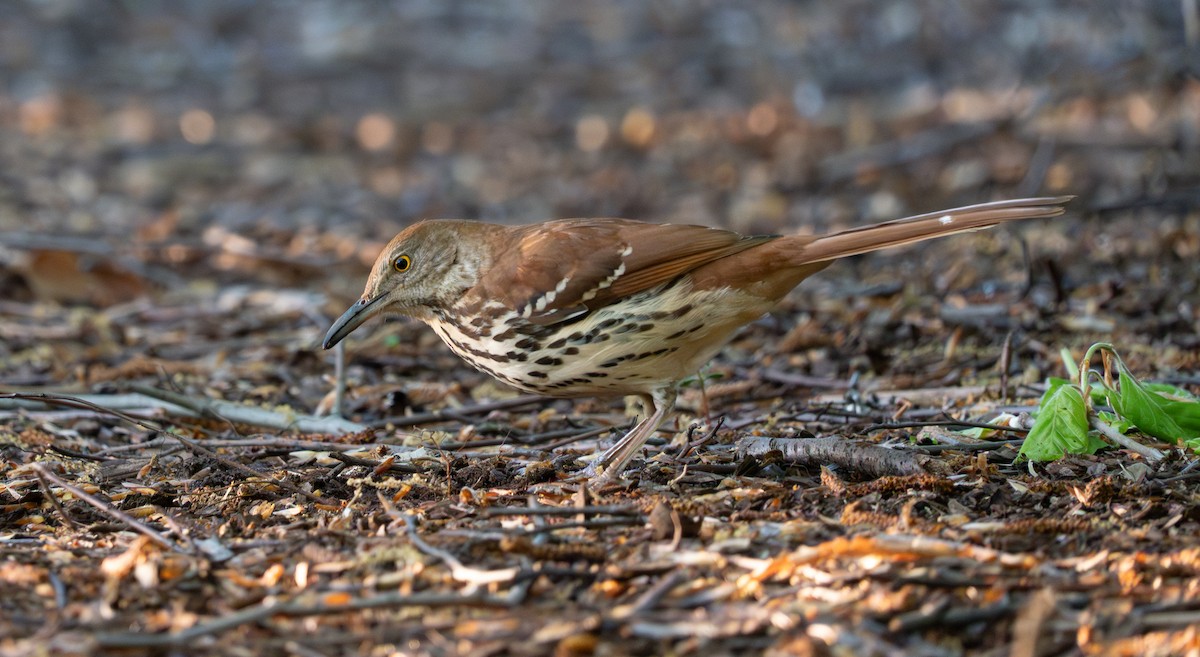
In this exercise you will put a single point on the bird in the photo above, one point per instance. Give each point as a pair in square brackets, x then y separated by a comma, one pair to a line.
[612, 307]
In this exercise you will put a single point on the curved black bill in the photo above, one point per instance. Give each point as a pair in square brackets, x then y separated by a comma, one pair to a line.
[361, 311]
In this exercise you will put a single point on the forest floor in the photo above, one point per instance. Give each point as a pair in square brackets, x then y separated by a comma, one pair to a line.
[182, 215]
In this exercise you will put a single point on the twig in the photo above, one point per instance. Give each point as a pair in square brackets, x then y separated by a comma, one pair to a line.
[871, 460]
[522, 586]
[677, 529]
[932, 396]
[405, 468]
[600, 523]
[105, 508]
[262, 441]
[568, 436]
[125, 402]
[173, 404]
[1171, 619]
[441, 416]
[1005, 363]
[463, 573]
[650, 599]
[75, 402]
[309, 606]
[927, 615]
[972, 447]
[942, 423]
[803, 381]
[41, 475]
[591, 433]
[260, 417]
[1147, 452]
[541, 510]
[1029, 627]
[76, 455]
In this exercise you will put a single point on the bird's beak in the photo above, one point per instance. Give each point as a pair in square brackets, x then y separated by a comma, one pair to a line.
[361, 311]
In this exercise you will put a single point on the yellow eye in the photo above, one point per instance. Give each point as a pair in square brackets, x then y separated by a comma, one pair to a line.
[402, 263]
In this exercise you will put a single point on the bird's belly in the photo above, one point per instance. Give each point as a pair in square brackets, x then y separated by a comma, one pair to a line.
[636, 345]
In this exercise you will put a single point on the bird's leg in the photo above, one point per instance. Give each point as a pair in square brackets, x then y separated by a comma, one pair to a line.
[659, 405]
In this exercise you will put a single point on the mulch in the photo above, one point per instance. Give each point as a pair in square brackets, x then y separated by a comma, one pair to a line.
[170, 484]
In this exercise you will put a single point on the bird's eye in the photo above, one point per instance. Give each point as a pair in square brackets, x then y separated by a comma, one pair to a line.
[402, 263]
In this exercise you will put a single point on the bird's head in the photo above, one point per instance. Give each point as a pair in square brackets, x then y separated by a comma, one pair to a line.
[419, 269]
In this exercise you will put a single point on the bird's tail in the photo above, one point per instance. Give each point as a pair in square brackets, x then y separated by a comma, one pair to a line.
[899, 232]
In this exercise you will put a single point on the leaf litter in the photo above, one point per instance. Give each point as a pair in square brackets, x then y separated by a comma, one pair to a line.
[167, 485]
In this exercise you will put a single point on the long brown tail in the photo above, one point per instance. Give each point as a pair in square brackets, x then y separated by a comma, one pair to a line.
[928, 226]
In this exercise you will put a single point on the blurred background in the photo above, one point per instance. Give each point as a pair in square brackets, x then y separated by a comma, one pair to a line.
[184, 151]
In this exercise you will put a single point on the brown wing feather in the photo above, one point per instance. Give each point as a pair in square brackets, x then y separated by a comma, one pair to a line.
[664, 252]
[590, 263]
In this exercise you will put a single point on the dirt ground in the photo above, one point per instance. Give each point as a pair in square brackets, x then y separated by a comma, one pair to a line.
[191, 192]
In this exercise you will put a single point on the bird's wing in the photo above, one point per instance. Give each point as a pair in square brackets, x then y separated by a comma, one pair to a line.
[562, 269]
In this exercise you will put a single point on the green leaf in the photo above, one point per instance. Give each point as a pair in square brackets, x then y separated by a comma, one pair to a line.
[976, 432]
[1069, 363]
[1061, 427]
[1053, 384]
[1096, 391]
[1182, 406]
[1115, 421]
[1146, 409]
[1169, 391]
[1001, 420]
[1185, 413]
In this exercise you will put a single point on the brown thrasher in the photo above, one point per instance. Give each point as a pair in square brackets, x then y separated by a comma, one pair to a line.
[583, 307]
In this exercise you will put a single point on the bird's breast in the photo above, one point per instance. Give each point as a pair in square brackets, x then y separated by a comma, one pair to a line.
[637, 344]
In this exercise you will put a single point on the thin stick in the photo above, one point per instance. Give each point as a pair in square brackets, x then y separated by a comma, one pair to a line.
[318, 607]
[458, 570]
[261, 441]
[234, 413]
[542, 510]
[1149, 453]
[650, 599]
[869, 459]
[441, 416]
[1004, 364]
[75, 402]
[41, 475]
[600, 523]
[405, 468]
[942, 423]
[106, 508]
[967, 447]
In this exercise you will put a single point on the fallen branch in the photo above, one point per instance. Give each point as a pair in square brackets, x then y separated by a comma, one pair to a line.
[1147, 452]
[235, 413]
[870, 460]
[152, 399]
